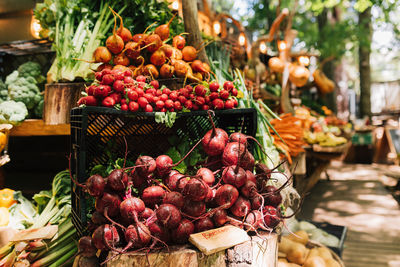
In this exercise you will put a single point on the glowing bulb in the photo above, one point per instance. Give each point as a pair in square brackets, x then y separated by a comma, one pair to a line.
[35, 28]
[282, 45]
[304, 60]
[242, 39]
[263, 47]
[175, 5]
[217, 27]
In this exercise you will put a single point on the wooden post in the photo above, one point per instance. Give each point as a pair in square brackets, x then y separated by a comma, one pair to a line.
[191, 21]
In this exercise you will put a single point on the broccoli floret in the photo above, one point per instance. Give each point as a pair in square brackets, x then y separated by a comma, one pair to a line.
[11, 78]
[38, 110]
[12, 112]
[31, 69]
[25, 90]
[3, 91]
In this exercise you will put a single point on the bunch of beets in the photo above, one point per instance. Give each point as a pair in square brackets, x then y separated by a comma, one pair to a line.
[229, 188]
[118, 87]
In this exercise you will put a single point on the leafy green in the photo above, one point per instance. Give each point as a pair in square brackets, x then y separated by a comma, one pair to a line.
[174, 154]
[22, 213]
[166, 117]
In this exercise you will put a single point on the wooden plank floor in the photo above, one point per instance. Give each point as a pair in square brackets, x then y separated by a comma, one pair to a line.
[357, 198]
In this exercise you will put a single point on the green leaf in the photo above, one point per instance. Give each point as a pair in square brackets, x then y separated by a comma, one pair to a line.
[174, 154]
[99, 169]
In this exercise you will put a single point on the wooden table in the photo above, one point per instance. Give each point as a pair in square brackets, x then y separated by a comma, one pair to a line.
[34, 127]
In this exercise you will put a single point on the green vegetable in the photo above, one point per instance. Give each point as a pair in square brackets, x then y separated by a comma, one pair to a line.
[166, 117]
[25, 90]
[38, 110]
[12, 112]
[12, 77]
[3, 91]
[31, 69]
[22, 213]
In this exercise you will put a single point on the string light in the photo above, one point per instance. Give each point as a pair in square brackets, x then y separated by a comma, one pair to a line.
[175, 5]
[263, 47]
[217, 27]
[242, 39]
[282, 45]
[304, 60]
[35, 28]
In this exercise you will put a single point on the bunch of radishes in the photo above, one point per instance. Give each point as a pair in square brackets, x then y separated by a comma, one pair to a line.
[168, 206]
[149, 54]
[117, 87]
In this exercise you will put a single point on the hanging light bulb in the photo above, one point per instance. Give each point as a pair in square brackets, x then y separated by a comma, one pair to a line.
[304, 60]
[175, 5]
[282, 45]
[263, 47]
[242, 39]
[217, 27]
[35, 28]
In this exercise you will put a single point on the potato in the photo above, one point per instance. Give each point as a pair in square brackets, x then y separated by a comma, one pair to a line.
[313, 252]
[285, 245]
[314, 261]
[299, 237]
[287, 264]
[282, 260]
[325, 253]
[297, 253]
[332, 263]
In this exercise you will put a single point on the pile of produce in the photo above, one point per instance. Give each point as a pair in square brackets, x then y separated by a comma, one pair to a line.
[288, 135]
[150, 54]
[51, 207]
[150, 204]
[21, 94]
[117, 88]
[295, 253]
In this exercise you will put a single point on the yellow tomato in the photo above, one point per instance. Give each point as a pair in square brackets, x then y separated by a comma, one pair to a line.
[6, 198]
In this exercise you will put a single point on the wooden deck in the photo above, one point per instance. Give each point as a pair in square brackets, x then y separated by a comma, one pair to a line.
[357, 198]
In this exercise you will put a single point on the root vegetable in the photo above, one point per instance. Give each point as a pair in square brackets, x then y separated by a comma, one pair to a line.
[158, 58]
[254, 220]
[197, 66]
[163, 30]
[163, 165]
[214, 141]
[153, 42]
[102, 54]
[273, 197]
[272, 216]
[203, 224]
[195, 190]
[179, 42]
[121, 59]
[234, 175]
[87, 100]
[131, 208]
[147, 165]
[194, 208]
[98, 218]
[189, 53]
[147, 213]
[158, 231]
[233, 154]
[153, 195]
[241, 207]
[167, 71]
[168, 215]
[183, 231]
[117, 180]
[174, 198]
[238, 137]
[105, 236]
[151, 70]
[86, 247]
[108, 204]
[226, 195]
[206, 175]
[220, 217]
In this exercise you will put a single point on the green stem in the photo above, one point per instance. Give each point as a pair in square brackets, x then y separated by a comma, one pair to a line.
[50, 258]
[65, 258]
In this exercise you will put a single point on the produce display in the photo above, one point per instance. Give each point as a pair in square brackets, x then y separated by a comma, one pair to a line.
[21, 94]
[51, 207]
[150, 204]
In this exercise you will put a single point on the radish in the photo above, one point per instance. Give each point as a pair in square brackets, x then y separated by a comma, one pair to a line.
[131, 208]
[203, 224]
[241, 207]
[200, 90]
[183, 231]
[117, 180]
[153, 195]
[179, 41]
[163, 30]
[195, 190]
[220, 217]
[215, 140]
[206, 175]
[87, 100]
[234, 175]
[228, 85]
[102, 55]
[108, 102]
[168, 215]
[174, 198]
[194, 208]
[226, 196]
[167, 71]
[86, 247]
[218, 104]
[214, 86]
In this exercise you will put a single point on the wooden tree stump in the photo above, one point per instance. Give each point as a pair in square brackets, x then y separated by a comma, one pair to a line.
[59, 99]
[257, 252]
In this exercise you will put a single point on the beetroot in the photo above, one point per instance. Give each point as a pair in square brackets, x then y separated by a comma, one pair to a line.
[131, 208]
[226, 195]
[233, 153]
[147, 165]
[272, 216]
[250, 176]
[137, 236]
[147, 213]
[238, 137]
[163, 165]
[234, 175]
[158, 231]
[247, 162]
[183, 231]
[214, 163]
[95, 185]
[241, 207]
[105, 236]
[153, 195]
[206, 175]
[194, 208]
[108, 204]
[98, 218]
[117, 180]
[86, 247]
[254, 220]
[195, 190]
[273, 197]
[168, 215]
[220, 217]
[214, 142]
[203, 224]
[171, 181]
[210, 195]
[249, 189]
[174, 198]
[256, 202]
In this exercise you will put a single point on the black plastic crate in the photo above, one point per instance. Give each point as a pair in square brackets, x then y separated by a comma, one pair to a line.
[337, 230]
[93, 129]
